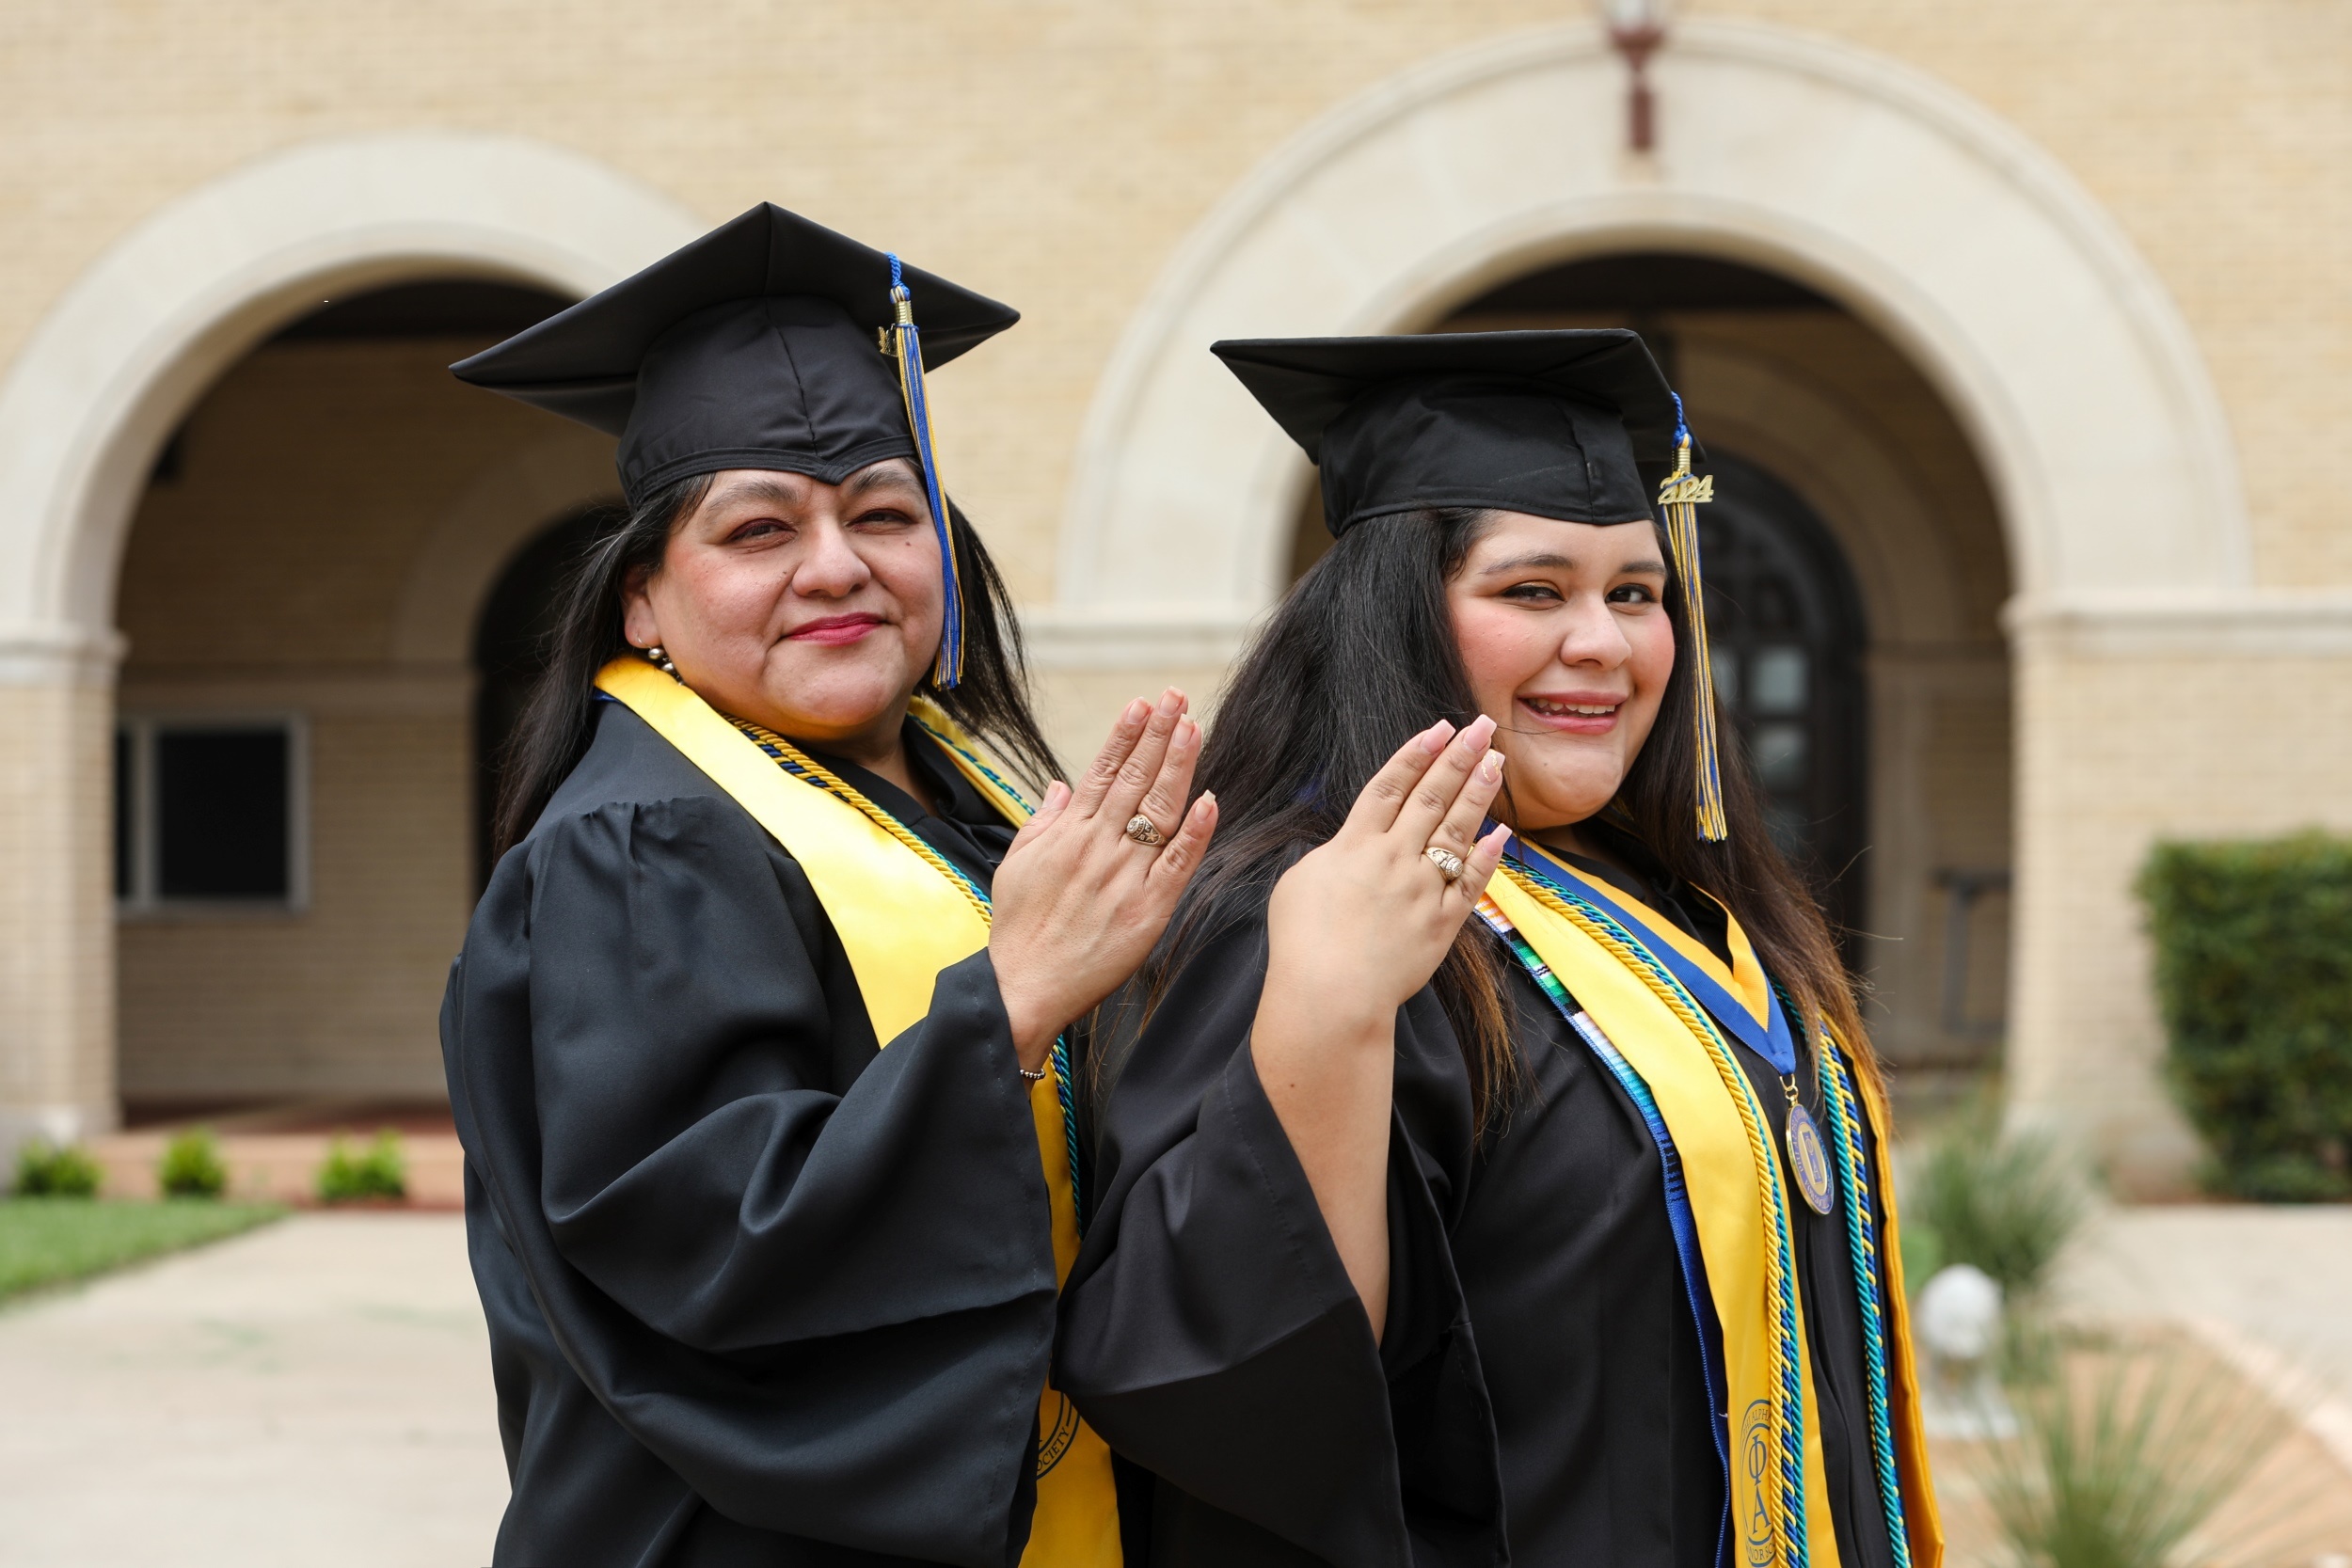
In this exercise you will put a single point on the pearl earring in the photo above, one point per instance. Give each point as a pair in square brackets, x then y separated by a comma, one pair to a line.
[659, 657]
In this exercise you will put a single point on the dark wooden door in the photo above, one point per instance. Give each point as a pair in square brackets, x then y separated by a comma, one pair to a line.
[1786, 622]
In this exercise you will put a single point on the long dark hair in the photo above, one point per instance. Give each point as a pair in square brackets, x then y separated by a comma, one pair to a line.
[992, 700]
[1361, 656]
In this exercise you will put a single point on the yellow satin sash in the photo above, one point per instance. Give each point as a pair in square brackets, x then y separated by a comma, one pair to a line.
[1732, 1172]
[901, 921]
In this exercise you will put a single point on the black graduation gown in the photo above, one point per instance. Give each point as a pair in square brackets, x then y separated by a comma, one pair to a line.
[1537, 1395]
[757, 1292]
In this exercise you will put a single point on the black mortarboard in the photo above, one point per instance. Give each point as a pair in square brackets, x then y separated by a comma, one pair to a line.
[770, 343]
[1557, 424]
[1575, 426]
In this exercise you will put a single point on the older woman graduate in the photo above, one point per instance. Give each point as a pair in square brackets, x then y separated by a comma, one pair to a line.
[754, 1043]
[1477, 1192]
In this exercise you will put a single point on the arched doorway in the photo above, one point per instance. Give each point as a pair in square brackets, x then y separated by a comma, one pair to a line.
[91, 400]
[1951, 243]
[1786, 625]
[296, 796]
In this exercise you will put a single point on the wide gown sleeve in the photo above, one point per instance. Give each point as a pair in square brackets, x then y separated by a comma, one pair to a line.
[815, 1283]
[1209, 1329]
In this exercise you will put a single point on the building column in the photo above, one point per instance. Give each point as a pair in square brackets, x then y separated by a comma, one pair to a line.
[56, 885]
[2144, 716]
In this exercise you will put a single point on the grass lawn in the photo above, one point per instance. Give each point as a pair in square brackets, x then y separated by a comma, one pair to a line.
[48, 1241]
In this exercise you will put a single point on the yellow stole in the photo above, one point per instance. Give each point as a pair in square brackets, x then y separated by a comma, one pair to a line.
[901, 921]
[1732, 1172]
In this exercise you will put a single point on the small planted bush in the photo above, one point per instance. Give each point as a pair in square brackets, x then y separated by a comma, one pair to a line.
[2254, 979]
[2006, 1203]
[380, 1173]
[43, 1170]
[2125, 1459]
[192, 1167]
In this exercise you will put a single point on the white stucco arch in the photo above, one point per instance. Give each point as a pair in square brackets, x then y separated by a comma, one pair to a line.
[155, 320]
[1972, 248]
[89, 400]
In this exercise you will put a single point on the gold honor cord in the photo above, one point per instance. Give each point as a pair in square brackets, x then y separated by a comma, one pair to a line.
[903, 914]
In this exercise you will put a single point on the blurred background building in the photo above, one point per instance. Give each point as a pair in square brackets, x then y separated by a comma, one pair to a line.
[2019, 332]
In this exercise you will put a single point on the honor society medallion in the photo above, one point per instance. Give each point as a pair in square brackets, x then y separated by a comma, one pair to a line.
[1808, 1158]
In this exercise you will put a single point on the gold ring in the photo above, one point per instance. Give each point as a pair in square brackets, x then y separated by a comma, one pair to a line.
[1449, 865]
[1144, 830]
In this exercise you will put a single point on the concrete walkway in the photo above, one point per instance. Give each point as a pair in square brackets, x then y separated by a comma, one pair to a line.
[2270, 1288]
[317, 1391]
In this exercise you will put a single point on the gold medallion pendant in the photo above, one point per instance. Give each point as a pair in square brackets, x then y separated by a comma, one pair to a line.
[1809, 1161]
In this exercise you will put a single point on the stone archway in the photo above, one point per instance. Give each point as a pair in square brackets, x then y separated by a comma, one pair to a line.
[84, 411]
[1968, 247]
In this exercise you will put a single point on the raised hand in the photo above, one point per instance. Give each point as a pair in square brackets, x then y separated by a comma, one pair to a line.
[1080, 899]
[1364, 920]
[1354, 930]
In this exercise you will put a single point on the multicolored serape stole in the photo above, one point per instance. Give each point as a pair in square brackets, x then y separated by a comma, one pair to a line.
[1771, 1440]
[1679, 1215]
[1002, 796]
[1597, 958]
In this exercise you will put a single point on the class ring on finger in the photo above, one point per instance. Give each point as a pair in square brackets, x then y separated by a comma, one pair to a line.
[1449, 865]
[1145, 832]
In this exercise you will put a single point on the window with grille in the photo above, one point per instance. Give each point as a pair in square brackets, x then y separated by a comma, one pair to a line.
[208, 813]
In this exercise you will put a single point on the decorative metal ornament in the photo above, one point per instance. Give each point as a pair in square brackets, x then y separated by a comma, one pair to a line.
[903, 341]
[1145, 832]
[1808, 1162]
[1678, 500]
[1449, 865]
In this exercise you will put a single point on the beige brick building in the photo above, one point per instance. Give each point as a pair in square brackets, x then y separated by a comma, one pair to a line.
[2025, 325]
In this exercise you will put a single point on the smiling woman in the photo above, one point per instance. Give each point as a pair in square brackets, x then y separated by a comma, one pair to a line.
[760, 1045]
[1558, 1234]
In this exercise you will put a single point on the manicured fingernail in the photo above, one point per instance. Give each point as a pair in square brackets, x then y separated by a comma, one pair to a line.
[1480, 729]
[1170, 701]
[1137, 709]
[1490, 766]
[1436, 735]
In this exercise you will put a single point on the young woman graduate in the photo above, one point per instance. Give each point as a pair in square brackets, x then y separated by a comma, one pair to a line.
[753, 1045]
[1476, 1192]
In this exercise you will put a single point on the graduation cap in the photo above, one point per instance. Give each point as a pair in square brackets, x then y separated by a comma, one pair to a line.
[770, 343]
[1575, 426]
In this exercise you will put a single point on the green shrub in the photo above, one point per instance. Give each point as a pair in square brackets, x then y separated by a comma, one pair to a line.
[2254, 979]
[2125, 1457]
[382, 1172]
[45, 1171]
[192, 1167]
[2006, 1203]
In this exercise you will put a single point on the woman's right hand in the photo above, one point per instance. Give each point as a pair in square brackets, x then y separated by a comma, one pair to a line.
[1354, 930]
[1363, 920]
[1077, 902]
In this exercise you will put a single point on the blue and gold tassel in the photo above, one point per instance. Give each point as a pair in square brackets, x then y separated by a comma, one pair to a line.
[903, 341]
[1678, 498]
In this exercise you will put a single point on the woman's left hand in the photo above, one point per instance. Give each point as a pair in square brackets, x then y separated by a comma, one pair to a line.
[1079, 902]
